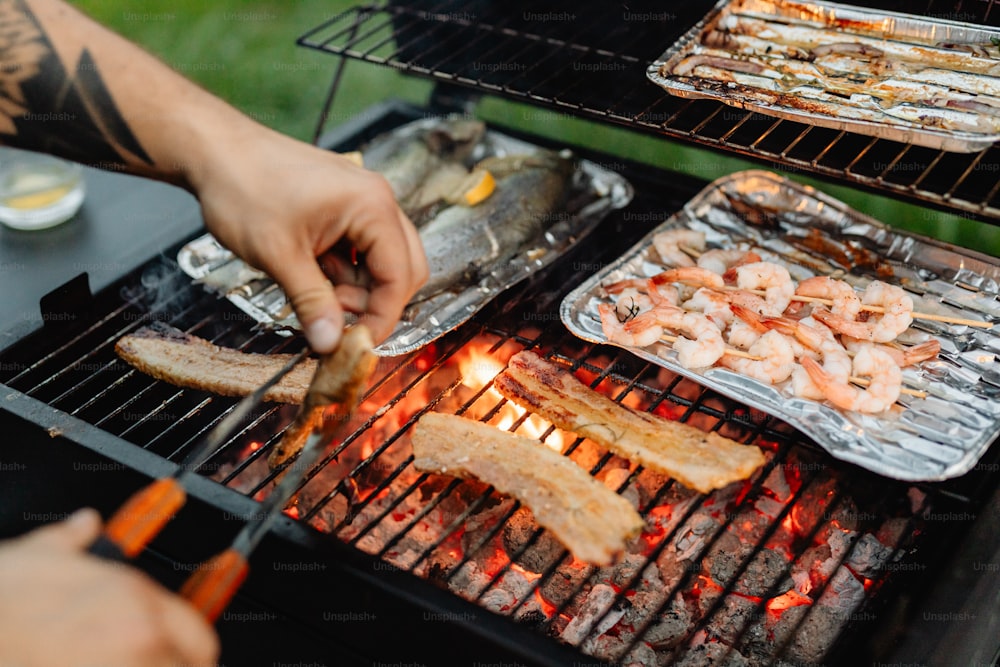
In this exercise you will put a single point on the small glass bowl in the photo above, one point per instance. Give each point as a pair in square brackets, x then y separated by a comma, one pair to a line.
[38, 191]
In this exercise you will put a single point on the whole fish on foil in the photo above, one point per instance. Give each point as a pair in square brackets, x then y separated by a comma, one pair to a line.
[463, 241]
[425, 164]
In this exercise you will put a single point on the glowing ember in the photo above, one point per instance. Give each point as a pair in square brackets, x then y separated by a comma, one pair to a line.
[788, 600]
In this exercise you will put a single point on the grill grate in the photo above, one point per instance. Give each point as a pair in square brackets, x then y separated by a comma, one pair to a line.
[592, 64]
[107, 393]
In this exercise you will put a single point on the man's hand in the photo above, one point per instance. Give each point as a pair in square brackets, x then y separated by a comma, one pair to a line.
[60, 606]
[280, 204]
[277, 202]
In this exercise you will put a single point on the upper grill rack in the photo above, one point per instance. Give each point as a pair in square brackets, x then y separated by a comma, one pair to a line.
[592, 64]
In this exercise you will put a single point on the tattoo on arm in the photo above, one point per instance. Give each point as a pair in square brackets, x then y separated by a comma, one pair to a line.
[47, 108]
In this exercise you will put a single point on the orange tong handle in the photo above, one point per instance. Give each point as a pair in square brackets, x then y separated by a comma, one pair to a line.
[144, 515]
[215, 582]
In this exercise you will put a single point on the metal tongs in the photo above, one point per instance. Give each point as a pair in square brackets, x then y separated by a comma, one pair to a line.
[331, 399]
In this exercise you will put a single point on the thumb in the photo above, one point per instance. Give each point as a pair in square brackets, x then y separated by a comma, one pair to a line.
[314, 300]
[76, 532]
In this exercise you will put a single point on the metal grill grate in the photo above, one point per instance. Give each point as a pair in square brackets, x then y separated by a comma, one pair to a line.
[82, 377]
[366, 492]
[369, 475]
[591, 63]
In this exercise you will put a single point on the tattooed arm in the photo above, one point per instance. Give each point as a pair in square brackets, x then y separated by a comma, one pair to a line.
[71, 87]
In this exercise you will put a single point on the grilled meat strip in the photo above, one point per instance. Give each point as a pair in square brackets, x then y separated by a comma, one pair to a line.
[699, 460]
[340, 379]
[184, 360]
[591, 520]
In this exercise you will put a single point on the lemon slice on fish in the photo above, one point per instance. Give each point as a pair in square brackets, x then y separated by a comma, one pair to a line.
[355, 157]
[475, 189]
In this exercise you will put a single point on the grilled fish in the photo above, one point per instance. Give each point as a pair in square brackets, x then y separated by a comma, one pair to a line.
[461, 240]
[424, 164]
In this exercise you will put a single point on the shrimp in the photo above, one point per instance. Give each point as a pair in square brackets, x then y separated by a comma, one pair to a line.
[878, 328]
[742, 335]
[662, 294]
[720, 260]
[668, 245]
[703, 344]
[631, 301]
[775, 363]
[773, 278]
[886, 381]
[614, 328]
[700, 343]
[653, 293]
[752, 318]
[690, 275]
[846, 302]
[816, 337]
[620, 286]
[714, 305]
[903, 356]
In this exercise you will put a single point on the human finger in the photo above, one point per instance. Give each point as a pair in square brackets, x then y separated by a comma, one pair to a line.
[313, 298]
[78, 531]
[191, 637]
[353, 299]
[394, 265]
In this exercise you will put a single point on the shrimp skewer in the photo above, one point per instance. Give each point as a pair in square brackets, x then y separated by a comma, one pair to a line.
[895, 320]
[668, 246]
[835, 360]
[721, 260]
[842, 298]
[773, 278]
[903, 356]
[884, 387]
[776, 359]
[701, 345]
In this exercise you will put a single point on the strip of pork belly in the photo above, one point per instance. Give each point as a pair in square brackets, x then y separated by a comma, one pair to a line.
[699, 460]
[184, 360]
[591, 520]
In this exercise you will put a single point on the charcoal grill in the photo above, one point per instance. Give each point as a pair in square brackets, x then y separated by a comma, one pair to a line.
[380, 564]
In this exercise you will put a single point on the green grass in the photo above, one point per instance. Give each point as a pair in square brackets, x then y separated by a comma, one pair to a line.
[245, 52]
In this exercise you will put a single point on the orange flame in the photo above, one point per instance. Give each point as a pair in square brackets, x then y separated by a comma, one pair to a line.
[478, 369]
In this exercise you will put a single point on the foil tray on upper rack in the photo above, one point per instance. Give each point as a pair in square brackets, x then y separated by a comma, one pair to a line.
[940, 436]
[594, 192]
[922, 81]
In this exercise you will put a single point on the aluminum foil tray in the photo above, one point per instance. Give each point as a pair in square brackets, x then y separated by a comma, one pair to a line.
[921, 439]
[594, 193]
[879, 91]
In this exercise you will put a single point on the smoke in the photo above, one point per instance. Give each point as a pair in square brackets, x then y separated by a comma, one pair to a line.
[163, 290]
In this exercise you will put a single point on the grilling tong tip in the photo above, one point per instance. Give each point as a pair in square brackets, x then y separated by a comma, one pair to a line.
[339, 381]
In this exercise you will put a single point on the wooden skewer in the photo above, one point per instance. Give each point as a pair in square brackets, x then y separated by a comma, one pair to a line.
[688, 250]
[731, 351]
[916, 393]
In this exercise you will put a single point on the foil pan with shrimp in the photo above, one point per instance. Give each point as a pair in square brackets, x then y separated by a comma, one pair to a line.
[541, 204]
[922, 81]
[946, 412]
